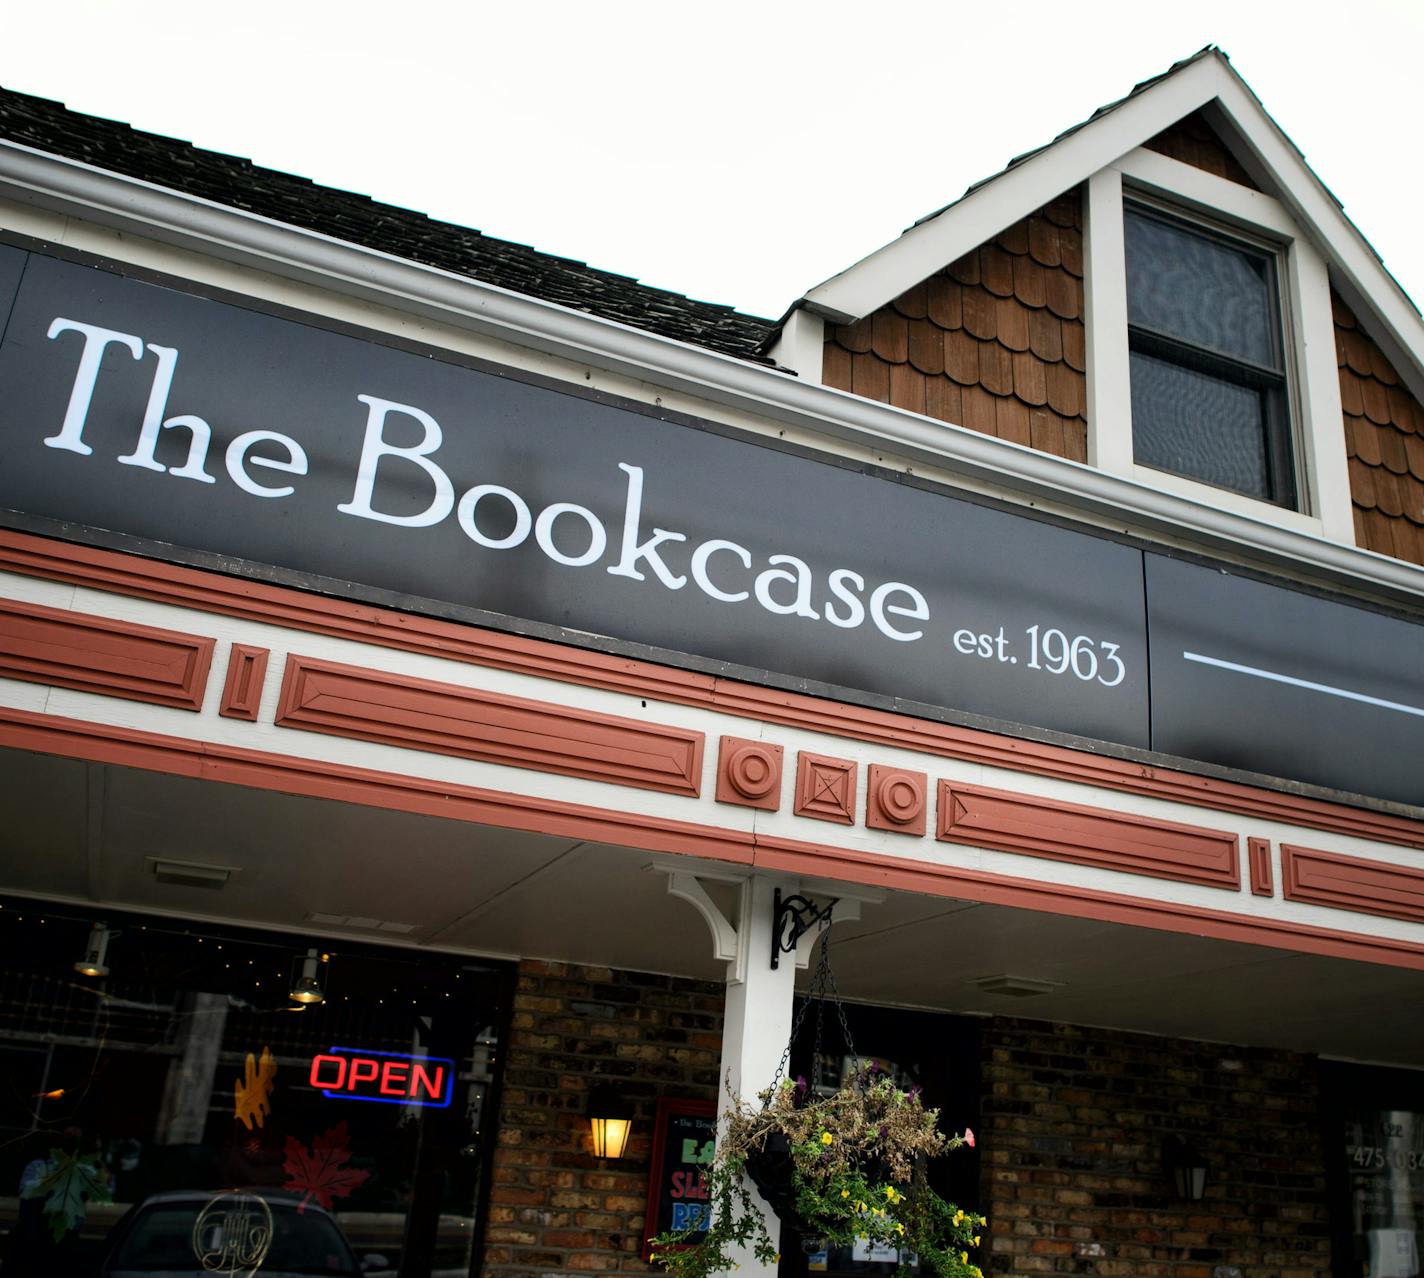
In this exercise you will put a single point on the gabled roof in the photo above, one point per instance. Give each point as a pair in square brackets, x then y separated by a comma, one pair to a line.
[1205, 80]
[238, 183]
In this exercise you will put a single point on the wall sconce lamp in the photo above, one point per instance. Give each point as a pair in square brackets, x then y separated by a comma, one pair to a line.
[1187, 1166]
[96, 952]
[611, 1118]
[306, 987]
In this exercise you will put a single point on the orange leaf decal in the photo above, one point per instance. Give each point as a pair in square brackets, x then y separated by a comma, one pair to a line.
[321, 1172]
[252, 1098]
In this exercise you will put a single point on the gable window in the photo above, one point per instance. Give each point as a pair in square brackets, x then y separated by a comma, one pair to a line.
[1206, 357]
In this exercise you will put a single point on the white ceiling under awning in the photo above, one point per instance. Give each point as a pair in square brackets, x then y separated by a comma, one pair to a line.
[88, 833]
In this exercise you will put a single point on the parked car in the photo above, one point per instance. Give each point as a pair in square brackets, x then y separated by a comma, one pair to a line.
[237, 1233]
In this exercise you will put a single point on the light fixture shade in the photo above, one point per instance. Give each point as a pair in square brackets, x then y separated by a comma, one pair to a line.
[1191, 1182]
[1188, 1169]
[96, 952]
[610, 1117]
[306, 988]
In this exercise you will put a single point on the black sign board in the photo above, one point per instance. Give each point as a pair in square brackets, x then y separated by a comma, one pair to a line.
[1259, 677]
[684, 1137]
[224, 434]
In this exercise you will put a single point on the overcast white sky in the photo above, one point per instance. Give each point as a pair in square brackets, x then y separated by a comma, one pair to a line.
[739, 152]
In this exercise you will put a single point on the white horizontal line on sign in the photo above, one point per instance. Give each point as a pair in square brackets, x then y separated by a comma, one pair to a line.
[1303, 683]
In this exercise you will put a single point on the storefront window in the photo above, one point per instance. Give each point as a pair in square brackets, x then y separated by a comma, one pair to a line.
[181, 1111]
[1375, 1135]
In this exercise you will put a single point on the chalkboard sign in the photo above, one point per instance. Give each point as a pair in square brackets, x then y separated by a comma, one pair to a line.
[683, 1139]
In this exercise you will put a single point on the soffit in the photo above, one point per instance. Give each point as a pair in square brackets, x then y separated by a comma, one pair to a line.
[84, 833]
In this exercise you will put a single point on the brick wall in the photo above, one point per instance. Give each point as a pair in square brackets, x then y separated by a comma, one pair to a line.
[1074, 1124]
[553, 1208]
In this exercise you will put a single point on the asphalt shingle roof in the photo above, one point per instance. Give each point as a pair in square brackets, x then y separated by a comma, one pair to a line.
[358, 219]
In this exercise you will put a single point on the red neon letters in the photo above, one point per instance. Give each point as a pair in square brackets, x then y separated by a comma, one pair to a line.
[383, 1076]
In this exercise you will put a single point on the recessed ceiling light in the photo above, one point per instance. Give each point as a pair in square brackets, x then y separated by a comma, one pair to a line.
[1016, 986]
[191, 873]
[360, 921]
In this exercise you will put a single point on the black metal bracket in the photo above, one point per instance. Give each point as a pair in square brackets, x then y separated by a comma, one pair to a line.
[791, 918]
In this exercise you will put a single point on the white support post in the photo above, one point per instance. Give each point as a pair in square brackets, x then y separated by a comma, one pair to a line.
[1105, 318]
[757, 1021]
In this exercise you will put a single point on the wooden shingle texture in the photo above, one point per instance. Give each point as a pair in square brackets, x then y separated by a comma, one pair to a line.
[1384, 438]
[993, 342]
[1193, 141]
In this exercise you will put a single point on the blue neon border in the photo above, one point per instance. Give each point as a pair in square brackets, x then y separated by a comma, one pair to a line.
[331, 1093]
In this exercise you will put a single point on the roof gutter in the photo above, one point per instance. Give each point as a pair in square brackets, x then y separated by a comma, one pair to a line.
[78, 190]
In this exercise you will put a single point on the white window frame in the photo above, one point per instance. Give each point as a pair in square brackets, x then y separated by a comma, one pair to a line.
[1317, 422]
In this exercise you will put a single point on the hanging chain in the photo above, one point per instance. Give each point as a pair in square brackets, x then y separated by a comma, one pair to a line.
[822, 987]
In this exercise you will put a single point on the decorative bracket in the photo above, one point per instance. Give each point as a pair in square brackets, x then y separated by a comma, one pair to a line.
[792, 917]
[682, 883]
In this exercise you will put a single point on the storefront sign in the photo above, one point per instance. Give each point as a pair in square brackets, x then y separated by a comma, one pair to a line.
[221, 435]
[684, 1140]
[233, 1234]
[349, 1073]
[1384, 1159]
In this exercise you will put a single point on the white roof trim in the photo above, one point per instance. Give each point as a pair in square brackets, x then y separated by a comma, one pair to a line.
[156, 213]
[1062, 165]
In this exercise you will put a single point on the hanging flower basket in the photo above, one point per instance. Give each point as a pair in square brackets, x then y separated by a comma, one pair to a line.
[846, 1167]
[772, 1169]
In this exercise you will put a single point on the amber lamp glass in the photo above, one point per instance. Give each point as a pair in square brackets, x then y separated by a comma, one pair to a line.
[611, 1119]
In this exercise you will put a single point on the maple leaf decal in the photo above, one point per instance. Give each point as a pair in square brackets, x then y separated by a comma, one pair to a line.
[68, 1184]
[252, 1096]
[321, 1172]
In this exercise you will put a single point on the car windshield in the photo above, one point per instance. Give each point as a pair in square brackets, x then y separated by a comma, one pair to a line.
[161, 1237]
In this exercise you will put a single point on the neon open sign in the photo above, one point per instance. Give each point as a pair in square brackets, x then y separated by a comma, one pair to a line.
[389, 1078]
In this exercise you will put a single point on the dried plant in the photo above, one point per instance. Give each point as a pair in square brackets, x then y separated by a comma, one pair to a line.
[857, 1171]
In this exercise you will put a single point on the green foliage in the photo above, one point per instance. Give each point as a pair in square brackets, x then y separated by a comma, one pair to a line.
[70, 1182]
[857, 1169]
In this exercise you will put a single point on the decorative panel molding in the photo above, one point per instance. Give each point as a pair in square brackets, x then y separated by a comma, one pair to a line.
[825, 788]
[1097, 837]
[371, 705]
[95, 654]
[174, 584]
[1349, 883]
[1258, 853]
[242, 691]
[185, 756]
[895, 800]
[749, 773]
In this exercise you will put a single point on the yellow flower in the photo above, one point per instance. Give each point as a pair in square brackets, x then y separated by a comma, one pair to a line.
[958, 1217]
[899, 1228]
[890, 1192]
[976, 1240]
[826, 1138]
[963, 1257]
[845, 1193]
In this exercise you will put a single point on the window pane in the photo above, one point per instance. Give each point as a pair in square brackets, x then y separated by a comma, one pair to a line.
[1199, 426]
[1199, 290]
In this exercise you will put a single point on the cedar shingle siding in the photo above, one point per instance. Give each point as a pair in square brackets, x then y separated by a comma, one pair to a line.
[1384, 436]
[993, 342]
[1193, 141]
